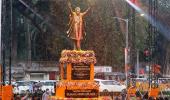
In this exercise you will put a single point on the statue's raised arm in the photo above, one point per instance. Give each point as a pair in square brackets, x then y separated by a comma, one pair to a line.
[84, 13]
[69, 6]
[87, 10]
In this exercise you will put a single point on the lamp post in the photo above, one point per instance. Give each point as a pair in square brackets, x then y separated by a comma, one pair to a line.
[126, 47]
[127, 44]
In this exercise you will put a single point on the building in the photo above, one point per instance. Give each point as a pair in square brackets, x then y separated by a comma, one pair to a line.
[36, 70]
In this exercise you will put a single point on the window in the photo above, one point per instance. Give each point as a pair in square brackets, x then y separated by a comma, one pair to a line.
[107, 82]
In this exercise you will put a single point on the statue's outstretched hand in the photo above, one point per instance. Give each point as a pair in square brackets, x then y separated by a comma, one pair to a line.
[69, 3]
[69, 6]
[90, 3]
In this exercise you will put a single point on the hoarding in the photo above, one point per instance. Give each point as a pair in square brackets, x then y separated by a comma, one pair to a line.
[98, 69]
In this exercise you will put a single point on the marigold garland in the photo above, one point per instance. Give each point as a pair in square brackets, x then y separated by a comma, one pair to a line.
[78, 85]
[75, 56]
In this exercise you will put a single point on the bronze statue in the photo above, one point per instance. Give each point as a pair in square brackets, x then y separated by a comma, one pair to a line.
[76, 28]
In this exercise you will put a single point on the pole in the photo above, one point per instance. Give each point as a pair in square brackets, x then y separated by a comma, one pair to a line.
[29, 44]
[0, 41]
[0, 30]
[3, 64]
[3, 12]
[126, 66]
[137, 64]
[126, 51]
[127, 31]
[10, 65]
[126, 47]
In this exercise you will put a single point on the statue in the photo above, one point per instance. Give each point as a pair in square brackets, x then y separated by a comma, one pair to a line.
[76, 29]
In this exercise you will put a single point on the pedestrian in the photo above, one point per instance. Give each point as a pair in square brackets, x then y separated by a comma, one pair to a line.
[145, 96]
[38, 85]
[31, 88]
[123, 95]
[26, 97]
[46, 95]
[34, 87]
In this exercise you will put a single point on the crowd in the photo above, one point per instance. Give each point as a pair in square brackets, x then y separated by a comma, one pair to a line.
[34, 93]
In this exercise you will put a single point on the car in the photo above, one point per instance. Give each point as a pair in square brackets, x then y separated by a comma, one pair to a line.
[141, 79]
[49, 84]
[22, 86]
[110, 86]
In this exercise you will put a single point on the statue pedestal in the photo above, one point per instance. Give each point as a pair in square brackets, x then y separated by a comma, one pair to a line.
[77, 75]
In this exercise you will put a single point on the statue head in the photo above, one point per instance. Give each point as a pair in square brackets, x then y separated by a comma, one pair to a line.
[77, 10]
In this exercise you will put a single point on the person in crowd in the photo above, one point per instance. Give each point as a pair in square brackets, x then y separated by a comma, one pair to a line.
[31, 88]
[46, 95]
[26, 97]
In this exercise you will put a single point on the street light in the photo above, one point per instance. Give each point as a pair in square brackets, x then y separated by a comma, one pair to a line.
[126, 47]
[127, 44]
[127, 27]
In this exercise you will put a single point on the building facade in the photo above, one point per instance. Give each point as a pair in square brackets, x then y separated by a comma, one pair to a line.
[36, 70]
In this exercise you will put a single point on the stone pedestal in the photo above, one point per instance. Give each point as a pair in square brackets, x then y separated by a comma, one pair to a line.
[77, 75]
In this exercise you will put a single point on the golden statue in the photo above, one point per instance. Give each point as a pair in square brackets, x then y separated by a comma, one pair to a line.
[76, 27]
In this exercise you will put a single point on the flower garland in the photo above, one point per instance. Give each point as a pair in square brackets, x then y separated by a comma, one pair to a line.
[74, 56]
